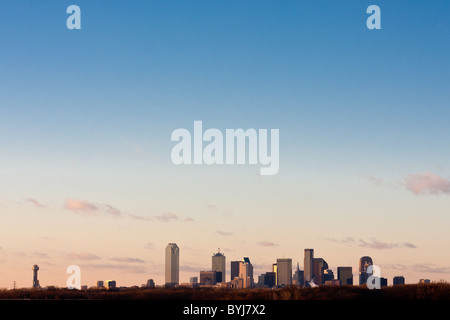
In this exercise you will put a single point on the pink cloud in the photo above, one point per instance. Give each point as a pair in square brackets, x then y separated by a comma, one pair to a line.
[427, 183]
[82, 207]
[36, 203]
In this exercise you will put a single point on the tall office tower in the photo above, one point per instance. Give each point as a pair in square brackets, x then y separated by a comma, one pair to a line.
[246, 272]
[345, 275]
[308, 264]
[319, 266]
[35, 276]
[298, 277]
[274, 270]
[398, 280]
[234, 270]
[284, 272]
[364, 263]
[218, 265]
[172, 264]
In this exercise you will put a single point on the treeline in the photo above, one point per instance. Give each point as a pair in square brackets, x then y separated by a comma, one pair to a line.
[433, 291]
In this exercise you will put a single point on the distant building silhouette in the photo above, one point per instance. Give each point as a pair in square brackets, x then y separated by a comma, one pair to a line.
[274, 270]
[111, 284]
[234, 270]
[424, 281]
[246, 272]
[345, 275]
[172, 264]
[298, 277]
[100, 284]
[398, 280]
[364, 263]
[328, 275]
[208, 277]
[267, 280]
[150, 283]
[218, 265]
[193, 280]
[308, 265]
[318, 269]
[35, 276]
[284, 272]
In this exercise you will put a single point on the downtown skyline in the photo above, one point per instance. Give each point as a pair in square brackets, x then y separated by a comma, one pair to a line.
[86, 117]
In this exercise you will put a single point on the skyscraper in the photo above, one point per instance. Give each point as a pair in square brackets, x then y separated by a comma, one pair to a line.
[298, 277]
[234, 270]
[284, 272]
[218, 264]
[246, 272]
[172, 264]
[319, 266]
[345, 275]
[364, 263]
[308, 264]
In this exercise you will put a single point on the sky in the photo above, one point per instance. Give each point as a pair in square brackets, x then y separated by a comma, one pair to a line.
[86, 117]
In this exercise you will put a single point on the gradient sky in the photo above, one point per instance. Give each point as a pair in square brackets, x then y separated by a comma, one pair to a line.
[86, 117]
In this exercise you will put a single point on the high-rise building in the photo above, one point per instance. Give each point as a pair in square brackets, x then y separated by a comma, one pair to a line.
[234, 270]
[267, 280]
[100, 284]
[318, 269]
[111, 284]
[172, 264]
[345, 275]
[274, 270]
[364, 263]
[246, 272]
[208, 277]
[150, 283]
[398, 280]
[328, 275]
[35, 276]
[298, 277]
[284, 272]
[308, 265]
[218, 265]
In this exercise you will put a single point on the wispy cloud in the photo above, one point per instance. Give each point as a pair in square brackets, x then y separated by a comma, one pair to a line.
[425, 268]
[373, 243]
[167, 216]
[345, 240]
[36, 203]
[114, 266]
[224, 233]
[127, 259]
[427, 183]
[211, 206]
[139, 217]
[375, 180]
[81, 207]
[112, 211]
[266, 244]
[84, 256]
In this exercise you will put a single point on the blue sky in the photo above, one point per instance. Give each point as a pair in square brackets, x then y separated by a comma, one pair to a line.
[87, 114]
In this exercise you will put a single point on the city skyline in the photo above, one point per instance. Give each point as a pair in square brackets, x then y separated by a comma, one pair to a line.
[281, 274]
[86, 117]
